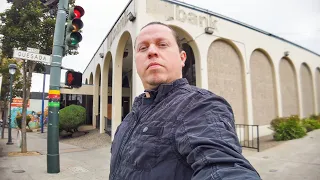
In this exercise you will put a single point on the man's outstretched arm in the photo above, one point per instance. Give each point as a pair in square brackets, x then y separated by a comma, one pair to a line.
[207, 140]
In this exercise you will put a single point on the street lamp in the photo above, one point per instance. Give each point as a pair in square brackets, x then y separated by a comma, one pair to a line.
[12, 70]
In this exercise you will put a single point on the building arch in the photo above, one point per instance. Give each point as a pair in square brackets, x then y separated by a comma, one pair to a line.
[263, 84]
[91, 78]
[86, 81]
[226, 76]
[317, 83]
[289, 87]
[122, 63]
[191, 71]
[307, 90]
[106, 99]
[96, 96]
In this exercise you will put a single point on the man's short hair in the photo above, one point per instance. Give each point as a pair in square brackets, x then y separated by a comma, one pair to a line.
[174, 33]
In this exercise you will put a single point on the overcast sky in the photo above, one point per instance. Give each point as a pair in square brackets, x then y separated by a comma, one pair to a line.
[295, 20]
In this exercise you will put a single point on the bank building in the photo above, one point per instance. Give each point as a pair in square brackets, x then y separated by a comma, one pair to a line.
[260, 74]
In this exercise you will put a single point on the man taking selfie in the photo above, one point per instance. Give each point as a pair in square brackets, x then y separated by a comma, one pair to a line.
[175, 131]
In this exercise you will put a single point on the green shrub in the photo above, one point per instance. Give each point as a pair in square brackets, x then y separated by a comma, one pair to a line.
[315, 117]
[277, 121]
[71, 117]
[311, 124]
[288, 129]
[19, 121]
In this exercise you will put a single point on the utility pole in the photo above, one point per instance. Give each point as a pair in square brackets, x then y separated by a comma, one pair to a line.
[53, 157]
[61, 44]
[42, 106]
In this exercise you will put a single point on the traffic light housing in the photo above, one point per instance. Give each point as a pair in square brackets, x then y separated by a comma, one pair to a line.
[74, 25]
[73, 79]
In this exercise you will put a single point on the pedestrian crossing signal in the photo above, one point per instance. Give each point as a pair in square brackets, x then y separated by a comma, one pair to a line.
[73, 79]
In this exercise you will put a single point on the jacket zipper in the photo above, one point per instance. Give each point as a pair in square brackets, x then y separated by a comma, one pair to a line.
[125, 141]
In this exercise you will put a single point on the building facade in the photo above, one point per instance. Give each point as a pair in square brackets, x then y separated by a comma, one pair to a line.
[261, 75]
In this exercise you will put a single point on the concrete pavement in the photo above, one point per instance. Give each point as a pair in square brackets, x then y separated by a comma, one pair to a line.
[75, 162]
[296, 159]
[292, 160]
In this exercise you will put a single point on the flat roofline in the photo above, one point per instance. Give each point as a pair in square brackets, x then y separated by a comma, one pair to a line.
[236, 22]
[108, 33]
[206, 11]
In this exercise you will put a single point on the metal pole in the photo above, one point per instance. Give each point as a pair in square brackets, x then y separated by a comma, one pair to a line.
[43, 93]
[2, 128]
[4, 119]
[9, 125]
[53, 157]
[258, 141]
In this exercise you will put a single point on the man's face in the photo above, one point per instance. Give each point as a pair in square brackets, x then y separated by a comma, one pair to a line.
[157, 56]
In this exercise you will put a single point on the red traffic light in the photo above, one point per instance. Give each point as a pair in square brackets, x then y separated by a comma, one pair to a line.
[76, 12]
[73, 79]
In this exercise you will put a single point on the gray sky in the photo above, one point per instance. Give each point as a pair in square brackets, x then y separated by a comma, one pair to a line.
[295, 20]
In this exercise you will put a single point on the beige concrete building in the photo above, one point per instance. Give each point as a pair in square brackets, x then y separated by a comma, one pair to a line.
[261, 75]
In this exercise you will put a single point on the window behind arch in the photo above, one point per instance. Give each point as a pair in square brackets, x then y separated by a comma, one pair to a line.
[189, 70]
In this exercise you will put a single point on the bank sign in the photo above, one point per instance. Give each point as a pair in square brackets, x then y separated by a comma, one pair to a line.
[170, 11]
[195, 19]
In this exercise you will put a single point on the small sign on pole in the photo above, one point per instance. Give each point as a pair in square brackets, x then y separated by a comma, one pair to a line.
[33, 50]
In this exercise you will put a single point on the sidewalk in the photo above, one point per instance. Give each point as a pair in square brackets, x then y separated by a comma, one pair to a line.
[75, 162]
[291, 160]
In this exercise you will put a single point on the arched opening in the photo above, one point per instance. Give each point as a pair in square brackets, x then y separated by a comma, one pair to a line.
[96, 97]
[264, 100]
[127, 78]
[307, 91]
[91, 79]
[226, 76]
[189, 70]
[289, 88]
[86, 82]
[318, 87]
[122, 73]
[106, 95]
[192, 63]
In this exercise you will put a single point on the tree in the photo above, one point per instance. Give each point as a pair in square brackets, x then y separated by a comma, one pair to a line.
[5, 88]
[28, 23]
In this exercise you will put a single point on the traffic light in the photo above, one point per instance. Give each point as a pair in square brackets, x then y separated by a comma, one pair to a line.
[73, 35]
[73, 79]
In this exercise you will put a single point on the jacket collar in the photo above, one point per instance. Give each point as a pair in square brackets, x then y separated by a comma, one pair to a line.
[161, 91]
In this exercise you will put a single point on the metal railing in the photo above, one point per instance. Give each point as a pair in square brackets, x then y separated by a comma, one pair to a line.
[107, 127]
[98, 121]
[248, 136]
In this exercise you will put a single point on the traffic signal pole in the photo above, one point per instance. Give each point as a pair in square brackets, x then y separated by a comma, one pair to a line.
[53, 157]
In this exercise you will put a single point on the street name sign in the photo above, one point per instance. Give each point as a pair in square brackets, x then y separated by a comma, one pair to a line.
[32, 56]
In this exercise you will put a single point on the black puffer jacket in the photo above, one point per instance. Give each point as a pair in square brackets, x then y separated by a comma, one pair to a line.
[181, 132]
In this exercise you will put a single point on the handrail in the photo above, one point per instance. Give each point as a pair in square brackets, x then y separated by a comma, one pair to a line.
[248, 136]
